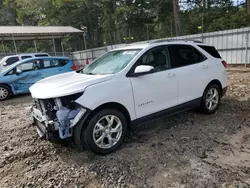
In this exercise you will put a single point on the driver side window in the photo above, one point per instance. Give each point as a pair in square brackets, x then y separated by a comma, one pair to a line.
[157, 57]
[30, 66]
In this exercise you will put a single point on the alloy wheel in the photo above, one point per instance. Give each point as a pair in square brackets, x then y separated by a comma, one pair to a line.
[107, 131]
[3, 93]
[212, 98]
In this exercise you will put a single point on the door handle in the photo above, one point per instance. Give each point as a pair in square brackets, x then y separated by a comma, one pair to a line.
[170, 75]
[204, 66]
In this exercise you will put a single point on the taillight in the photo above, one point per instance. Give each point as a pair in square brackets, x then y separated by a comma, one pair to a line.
[74, 67]
[224, 64]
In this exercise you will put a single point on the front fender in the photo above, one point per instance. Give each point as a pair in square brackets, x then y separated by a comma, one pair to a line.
[112, 91]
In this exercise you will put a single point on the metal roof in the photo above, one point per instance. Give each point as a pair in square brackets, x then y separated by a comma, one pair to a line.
[35, 32]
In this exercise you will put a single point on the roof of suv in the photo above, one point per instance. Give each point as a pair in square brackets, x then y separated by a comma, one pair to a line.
[157, 43]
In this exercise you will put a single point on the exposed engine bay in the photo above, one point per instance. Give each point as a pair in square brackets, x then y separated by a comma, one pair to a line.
[57, 115]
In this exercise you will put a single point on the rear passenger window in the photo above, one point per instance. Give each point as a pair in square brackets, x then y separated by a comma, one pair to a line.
[46, 63]
[183, 55]
[54, 63]
[211, 50]
[41, 55]
[25, 57]
[11, 60]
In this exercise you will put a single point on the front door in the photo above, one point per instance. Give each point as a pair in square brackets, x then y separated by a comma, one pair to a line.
[30, 74]
[156, 91]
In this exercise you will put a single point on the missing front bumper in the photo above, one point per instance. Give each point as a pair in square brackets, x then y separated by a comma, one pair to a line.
[62, 127]
[44, 131]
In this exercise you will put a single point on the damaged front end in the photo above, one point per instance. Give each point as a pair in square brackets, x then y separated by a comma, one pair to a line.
[55, 118]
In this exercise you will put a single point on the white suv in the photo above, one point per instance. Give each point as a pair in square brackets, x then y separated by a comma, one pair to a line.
[125, 87]
[9, 60]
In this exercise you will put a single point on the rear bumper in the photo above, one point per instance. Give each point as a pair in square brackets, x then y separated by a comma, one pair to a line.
[224, 91]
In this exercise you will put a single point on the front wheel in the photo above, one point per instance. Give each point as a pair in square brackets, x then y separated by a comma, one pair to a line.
[104, 132]
[4, 92]
[211, 99]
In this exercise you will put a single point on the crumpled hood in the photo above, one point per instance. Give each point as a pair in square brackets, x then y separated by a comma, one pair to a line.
[65, 84]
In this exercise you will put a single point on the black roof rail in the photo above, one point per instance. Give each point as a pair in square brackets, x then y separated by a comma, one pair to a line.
[175, 40]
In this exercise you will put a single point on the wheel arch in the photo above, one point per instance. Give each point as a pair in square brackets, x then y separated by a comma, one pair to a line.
[82, 124]
[8, 86]
[216, 82]
[113, 105]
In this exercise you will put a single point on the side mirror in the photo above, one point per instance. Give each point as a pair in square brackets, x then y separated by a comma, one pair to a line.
[142, 69]
[18, 71]
[4, 64]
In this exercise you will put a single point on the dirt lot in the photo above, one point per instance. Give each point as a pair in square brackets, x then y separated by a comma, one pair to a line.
[185, 151]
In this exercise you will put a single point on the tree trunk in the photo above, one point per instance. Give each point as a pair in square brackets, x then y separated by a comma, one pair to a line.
[248, 6]
[248, 11]
[176, 17]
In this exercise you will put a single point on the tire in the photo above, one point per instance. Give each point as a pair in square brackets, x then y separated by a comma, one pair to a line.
[107, 138]
[209, 104]
[5, 92]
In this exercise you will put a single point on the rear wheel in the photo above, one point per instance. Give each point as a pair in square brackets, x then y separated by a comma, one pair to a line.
[104, 132]
[211, 99]
[4, 92]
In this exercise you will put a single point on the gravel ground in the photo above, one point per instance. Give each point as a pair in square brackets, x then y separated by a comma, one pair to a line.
[185, 151]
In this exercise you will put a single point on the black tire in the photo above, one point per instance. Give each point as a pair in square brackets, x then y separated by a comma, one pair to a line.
[4, 88]
[204, 108]
[83, 132]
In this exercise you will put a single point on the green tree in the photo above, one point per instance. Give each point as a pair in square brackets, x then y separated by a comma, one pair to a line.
[116, 21]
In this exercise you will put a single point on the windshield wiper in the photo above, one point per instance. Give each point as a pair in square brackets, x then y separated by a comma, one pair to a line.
[89, 73]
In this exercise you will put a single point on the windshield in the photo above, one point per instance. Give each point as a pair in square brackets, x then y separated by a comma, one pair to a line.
[2, 60]
[111, 63]
[4, 68]
[1, 64]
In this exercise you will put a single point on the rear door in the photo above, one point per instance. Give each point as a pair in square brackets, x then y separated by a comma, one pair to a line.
[192, 71]
[53, 66]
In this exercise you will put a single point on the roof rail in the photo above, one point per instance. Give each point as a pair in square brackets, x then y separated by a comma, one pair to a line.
[175, 40]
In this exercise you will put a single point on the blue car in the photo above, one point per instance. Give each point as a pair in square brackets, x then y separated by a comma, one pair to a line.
[17, 78]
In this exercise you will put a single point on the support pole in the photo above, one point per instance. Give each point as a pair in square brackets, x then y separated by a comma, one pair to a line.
[84, 38]
[35, 45]
[62, 48]
[171, 27]
[14, 42]
[3, 48]
[202, 26]
[54, 45]
[84, 29]
[246, 58]
[147, 32]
